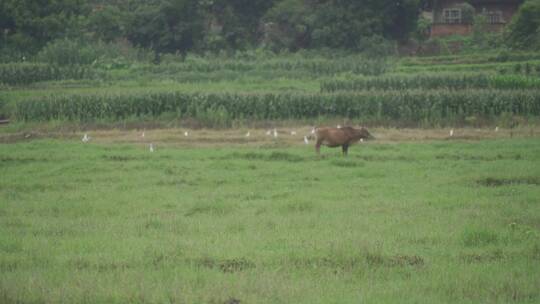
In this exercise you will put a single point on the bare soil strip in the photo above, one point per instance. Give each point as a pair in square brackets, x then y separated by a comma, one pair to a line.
[286, 136]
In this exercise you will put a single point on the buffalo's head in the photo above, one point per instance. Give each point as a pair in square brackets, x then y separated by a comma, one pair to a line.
[363, 133]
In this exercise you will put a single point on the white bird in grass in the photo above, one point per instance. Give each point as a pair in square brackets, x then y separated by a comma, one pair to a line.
[293, 132]
[247, 134]
[313, 131]
[151, 147]
[269, 132]
[186, 133]
[86, 138]
[361, 140]
[451, 132]
[339, 126]
[275, 132]
[496, 129]
[306, 141]
[142, 135]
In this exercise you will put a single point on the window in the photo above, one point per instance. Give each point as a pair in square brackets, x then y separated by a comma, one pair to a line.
[494, 17]
[451, 15]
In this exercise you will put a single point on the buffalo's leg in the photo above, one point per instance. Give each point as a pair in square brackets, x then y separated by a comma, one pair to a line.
[318, 147]
[345, 149]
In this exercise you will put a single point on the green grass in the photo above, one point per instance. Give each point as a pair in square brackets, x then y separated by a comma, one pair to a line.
[424, 222]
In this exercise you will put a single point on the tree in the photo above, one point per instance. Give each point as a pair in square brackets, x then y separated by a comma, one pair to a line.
[32, 23]
[108, 23]
[524, 29]
[344, 24]
[236, 22]
[289, 25]
[173, 26]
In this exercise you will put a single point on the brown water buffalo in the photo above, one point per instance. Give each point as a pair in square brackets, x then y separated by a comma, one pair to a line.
[345, 136]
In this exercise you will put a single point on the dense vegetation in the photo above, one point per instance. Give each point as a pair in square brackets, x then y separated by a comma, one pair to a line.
[390, 107]
[182, 26]
[225, 92]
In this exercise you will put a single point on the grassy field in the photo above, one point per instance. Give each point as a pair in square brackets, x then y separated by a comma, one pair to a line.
[417, 216]
[228, 219]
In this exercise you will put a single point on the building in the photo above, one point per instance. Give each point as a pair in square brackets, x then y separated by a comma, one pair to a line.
[455, 17]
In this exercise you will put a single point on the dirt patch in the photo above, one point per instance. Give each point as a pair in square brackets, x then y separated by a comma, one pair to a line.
[482, 257]
[343, 264]
[123, 158]
[392, 261]
[344, 163]
[103, 267]
[498, 182]
[226, 137]
[274, 156]
[216, 208]
[21, 160]
[478, 157]
[225, 266]
[384, 158]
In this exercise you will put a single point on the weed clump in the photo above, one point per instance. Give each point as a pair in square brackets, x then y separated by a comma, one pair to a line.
[476, 238]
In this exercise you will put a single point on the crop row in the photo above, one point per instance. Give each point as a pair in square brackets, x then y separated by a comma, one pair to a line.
[26, 73]
[408, 106]
[311, 66]
[432, 81]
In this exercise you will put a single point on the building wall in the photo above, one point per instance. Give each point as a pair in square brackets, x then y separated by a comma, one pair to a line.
[438, 29]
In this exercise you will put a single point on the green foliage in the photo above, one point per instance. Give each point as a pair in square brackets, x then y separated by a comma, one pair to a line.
[31, 24]
[288, 25]
[423, 28]
[432, 81]
[467, 13]
[180, 26]
[524, 29]
[173, 26]
[266, 68]
[26, 73]
[80, 52]
[295, 24]
[241, 220]
[406, 107]
[479, 32]
[107, 24]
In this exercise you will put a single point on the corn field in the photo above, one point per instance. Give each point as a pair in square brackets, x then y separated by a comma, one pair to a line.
[432, 81]
[426, 106]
